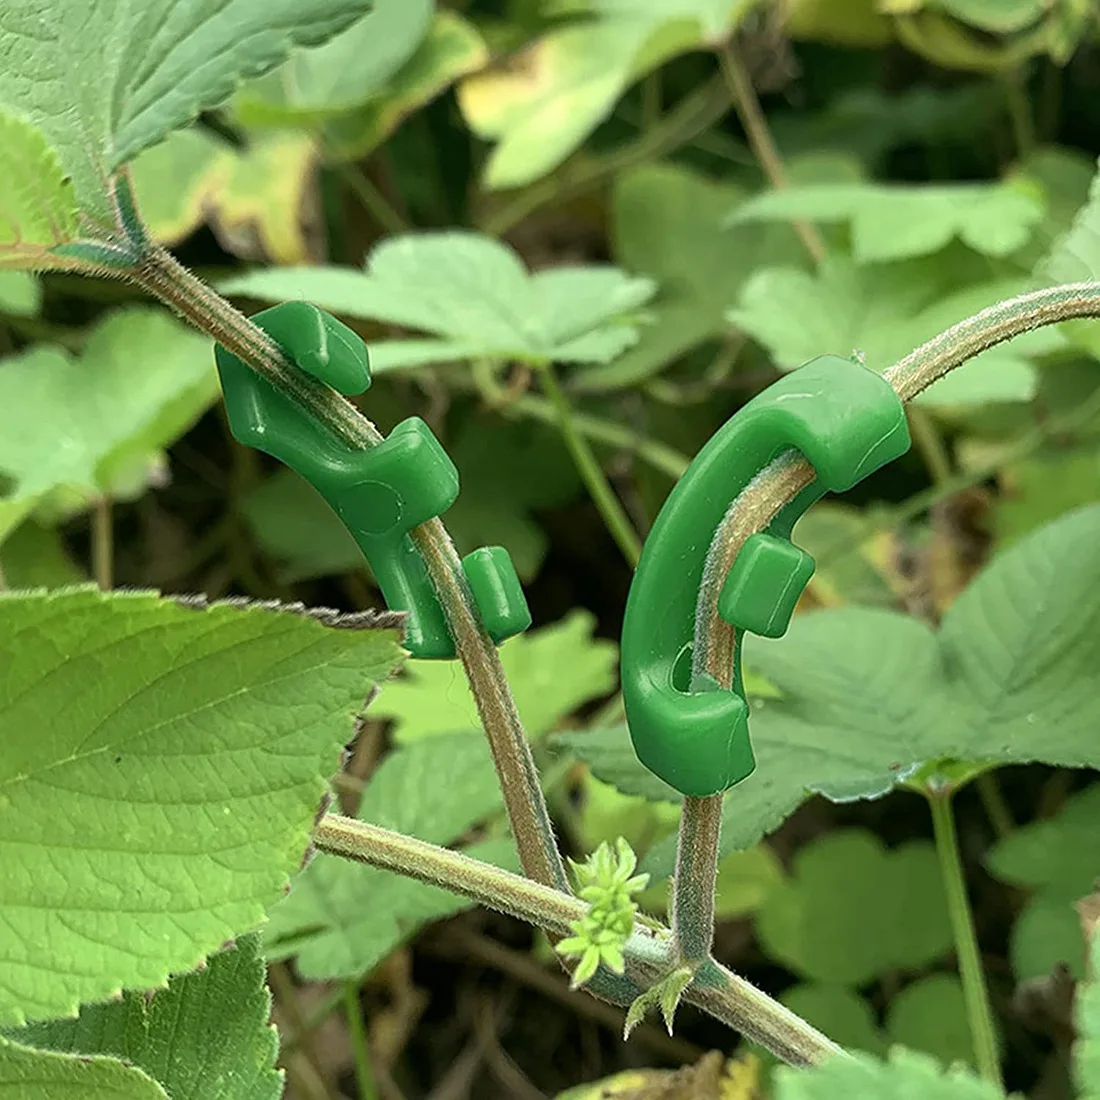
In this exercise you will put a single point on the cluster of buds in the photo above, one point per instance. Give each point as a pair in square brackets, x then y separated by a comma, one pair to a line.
[606, 880]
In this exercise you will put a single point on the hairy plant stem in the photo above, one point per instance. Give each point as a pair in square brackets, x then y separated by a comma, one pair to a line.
[648, 954]
[599, 488]
[780, 482]
[975, 992]
[161, 275]
[760, 138]
[103, 543]
[360, 1045]
[695, 878]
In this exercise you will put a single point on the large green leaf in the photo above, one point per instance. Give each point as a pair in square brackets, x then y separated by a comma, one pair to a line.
[840, 1013]
[1057, 860]
[667, 224]
[27, 1074]
[37, 207]
[905, 1076]
[852, 910]
[564, 84]
[475, 295]
[142, 380]
[1012, 676]
[552, 671]
[884, 312]
[162, 767]
[341, 919]
[206, 1037]
[105, 79]
[897, 222]
[342, 73]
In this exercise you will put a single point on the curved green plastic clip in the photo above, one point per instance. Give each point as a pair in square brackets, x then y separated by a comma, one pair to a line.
[380, 494]
[847, 421]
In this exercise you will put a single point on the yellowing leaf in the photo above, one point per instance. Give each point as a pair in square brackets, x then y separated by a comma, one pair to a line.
[259, 200]
[553, 95]
[265, 203]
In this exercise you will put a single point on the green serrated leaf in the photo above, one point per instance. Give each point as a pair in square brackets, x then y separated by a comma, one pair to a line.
[1057, 860]
[885, 312]
[472, 291]
[340, 919]
[567, 82]
[853, 910]
[897, 222]
[861, 1077]
[37, 206]
[552, 671]
[162, 767]
[27, 1074]
[112, 407]
[206, 1035]
[343, 73]
[105, 79]
[867, 695]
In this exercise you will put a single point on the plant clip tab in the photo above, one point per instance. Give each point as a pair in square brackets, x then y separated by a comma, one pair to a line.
[847, 421]
[380, 494]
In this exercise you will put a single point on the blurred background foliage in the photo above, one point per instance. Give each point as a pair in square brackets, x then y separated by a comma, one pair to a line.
[573, 226]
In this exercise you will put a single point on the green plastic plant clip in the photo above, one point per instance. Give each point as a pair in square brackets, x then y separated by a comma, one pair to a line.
[380, 494]
[847, 421]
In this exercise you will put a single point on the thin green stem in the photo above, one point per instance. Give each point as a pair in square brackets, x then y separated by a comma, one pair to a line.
[648, 955]
[696, 113]
[994, 804]
[979, 1013]
[930, 443]
[603, 496]
[360, 1044]
[103, 539]
[761, 142]
[372, 200]
[1019, 112]
[651, 451]
[167, 279]
[696, 877]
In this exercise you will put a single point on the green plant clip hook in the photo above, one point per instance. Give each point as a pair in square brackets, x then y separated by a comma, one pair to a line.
[847, 421]
[380, 494]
